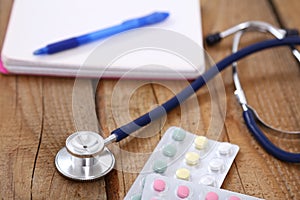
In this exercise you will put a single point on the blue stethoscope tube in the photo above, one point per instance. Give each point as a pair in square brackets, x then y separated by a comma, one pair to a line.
[266, 143]
[160, 111]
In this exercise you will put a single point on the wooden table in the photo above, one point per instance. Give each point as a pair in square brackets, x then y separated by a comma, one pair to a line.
[37, 116]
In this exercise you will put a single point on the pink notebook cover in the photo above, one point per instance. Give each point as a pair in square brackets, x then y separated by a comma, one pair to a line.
[2, 68]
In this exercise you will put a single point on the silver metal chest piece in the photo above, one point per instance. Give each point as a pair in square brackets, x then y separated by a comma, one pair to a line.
[85, 157]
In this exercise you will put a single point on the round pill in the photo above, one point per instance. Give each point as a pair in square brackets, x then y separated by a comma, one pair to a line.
[200, 142]
[159, 185]
[159, 166]
[234, 198]
[178, 135]
[136, 197]
[169, 150]
[192, 158]
[211, 196]
[183, 191]
[224, 148]
[216, 164]
[207, 180]
[183, 173]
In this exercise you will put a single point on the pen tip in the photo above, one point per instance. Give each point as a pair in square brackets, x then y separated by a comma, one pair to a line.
[155, 18]
[165, 14]
[160, 16]
[40, 52]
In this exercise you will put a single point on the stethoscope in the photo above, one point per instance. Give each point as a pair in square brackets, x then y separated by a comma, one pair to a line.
[249, 113]
[85, 155]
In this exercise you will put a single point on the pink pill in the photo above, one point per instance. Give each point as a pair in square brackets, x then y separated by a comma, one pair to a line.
[159, 185]
[211, 196]
[234, 198]
[183, 191]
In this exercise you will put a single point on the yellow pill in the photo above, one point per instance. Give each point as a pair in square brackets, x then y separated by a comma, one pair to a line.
[183, 174]
[192, 158]
[200, 142]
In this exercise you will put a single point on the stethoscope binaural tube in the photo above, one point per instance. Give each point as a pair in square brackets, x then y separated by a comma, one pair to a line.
[250, 26]
[69, 161]
[260, 26]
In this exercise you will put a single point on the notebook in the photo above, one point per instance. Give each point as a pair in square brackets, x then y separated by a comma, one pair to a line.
[170, 49]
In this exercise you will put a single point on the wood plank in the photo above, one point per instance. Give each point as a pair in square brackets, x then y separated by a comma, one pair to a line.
[5, 8]
[120, 102]
[57, 125]
[20, 131]
[37, 118]
[272, 71]
[20, 116]
[288, 13]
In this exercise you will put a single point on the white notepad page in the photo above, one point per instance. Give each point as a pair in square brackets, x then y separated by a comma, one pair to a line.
[36, 23]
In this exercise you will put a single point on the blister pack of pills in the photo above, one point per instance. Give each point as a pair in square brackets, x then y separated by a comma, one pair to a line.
[159, 187]
[186, 156]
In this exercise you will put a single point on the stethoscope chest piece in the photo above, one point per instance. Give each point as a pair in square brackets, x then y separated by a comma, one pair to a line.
[84, 157]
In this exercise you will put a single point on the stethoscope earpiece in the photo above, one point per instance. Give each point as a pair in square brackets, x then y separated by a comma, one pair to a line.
[84, 157]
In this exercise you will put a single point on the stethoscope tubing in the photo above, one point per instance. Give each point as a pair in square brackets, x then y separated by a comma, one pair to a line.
[250, 116]
[266, 143]
[83, 167]
[158, 112]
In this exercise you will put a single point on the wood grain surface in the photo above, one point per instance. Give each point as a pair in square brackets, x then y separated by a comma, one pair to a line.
[38, 113]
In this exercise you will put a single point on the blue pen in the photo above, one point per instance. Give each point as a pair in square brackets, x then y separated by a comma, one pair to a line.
[62, 45]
